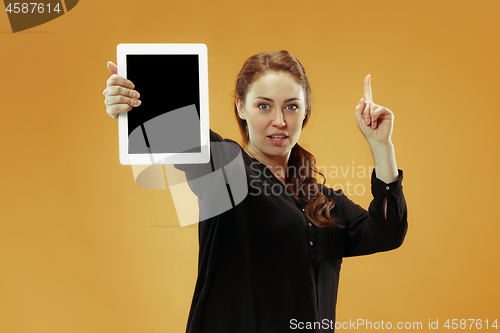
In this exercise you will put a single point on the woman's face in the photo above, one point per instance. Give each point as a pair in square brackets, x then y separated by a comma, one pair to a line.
[274, 110]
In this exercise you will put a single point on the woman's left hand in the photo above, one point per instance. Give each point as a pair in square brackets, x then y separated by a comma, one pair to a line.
[374, 121]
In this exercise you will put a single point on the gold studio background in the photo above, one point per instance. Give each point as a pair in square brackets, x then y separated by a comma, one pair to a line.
[84, 249]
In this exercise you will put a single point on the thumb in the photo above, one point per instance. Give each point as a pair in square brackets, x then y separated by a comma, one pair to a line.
[112, 68]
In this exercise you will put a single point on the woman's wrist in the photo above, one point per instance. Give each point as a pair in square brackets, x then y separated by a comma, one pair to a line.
[384, 160]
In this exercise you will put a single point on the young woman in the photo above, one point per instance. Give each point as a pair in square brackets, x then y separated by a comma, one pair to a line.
[272, 263]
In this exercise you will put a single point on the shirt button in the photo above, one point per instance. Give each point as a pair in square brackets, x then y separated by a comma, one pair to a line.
[387, 188]
[310, 224]
[311, 243]
[303, 209]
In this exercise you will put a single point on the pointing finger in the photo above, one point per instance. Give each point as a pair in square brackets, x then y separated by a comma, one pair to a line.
[368, 88]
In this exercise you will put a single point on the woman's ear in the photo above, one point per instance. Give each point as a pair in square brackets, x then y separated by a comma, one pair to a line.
[239, 107]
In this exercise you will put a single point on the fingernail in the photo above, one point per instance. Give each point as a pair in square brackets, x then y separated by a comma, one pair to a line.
[137, 102]
[131, 85]
[367, 121]
[136, 95]
[360, 101]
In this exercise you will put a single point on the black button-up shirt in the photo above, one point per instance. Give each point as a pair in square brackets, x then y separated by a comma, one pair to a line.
[264, 267]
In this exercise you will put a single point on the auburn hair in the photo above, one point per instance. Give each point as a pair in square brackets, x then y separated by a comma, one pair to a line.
[303, 185]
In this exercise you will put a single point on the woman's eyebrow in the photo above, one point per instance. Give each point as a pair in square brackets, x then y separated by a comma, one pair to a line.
[270, 100]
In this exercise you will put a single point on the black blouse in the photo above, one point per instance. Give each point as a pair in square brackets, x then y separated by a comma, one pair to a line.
[264, 267]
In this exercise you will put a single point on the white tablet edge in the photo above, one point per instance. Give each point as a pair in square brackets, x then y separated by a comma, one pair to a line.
[185, 158]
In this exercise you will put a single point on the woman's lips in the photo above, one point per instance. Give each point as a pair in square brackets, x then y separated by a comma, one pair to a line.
[278, 140]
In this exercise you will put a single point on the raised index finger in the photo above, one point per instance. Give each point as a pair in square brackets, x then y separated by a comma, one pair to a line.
[368, 88]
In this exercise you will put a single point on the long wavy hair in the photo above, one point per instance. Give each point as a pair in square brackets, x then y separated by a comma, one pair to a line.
[304, 185]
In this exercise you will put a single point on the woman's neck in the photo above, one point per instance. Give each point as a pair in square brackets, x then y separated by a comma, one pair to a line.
[277, 164]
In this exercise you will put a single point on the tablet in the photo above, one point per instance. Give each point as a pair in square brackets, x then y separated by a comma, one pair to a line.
[171, 124]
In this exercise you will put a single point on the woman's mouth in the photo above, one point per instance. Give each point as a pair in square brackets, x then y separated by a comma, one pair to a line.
[278, 140]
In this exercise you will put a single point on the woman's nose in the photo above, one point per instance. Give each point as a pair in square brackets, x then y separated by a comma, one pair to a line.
[278, 119]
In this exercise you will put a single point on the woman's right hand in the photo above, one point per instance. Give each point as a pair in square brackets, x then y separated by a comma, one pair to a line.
[119, 95]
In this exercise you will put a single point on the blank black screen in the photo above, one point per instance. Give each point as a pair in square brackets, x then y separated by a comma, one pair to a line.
[165, 83]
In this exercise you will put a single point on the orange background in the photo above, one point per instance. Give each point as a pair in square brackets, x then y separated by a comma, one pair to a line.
[84, 249]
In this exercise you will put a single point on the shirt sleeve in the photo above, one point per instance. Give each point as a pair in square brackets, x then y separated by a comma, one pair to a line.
[210, 180]
[368, 232]
[197, 170]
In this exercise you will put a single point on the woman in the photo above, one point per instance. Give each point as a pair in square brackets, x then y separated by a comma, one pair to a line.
[272, 263]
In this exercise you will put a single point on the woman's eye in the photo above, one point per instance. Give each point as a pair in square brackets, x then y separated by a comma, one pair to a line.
[292, 107]
[264, 106]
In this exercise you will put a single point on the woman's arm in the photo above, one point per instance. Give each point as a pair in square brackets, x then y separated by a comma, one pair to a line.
[373, 230]
[384, 161]
[376, 124]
